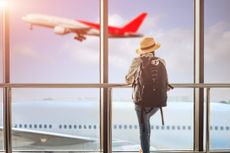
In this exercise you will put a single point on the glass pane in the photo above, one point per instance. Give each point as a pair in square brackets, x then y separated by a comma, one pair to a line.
[217, 61]
[173, 27]
[1, 119]
[1, 44]
[176, 134]
[46, 51]
[219, 120]
[217, 37]
[55, 119]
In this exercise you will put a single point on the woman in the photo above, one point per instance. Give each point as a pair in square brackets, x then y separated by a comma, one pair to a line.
[146, 51]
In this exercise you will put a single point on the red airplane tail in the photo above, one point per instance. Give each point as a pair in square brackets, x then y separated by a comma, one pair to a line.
[134, 24]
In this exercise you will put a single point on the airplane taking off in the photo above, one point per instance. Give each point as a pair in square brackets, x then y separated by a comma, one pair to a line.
[82, 28]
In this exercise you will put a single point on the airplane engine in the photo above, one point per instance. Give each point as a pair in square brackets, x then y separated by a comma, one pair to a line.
[60, 30]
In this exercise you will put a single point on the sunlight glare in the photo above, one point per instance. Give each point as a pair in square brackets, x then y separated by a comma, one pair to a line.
[3, 3]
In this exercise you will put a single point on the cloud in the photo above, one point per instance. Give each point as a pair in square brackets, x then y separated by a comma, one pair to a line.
[217, 52]
[149, 24]
[23, 50]
[116, 20]
[25, 53]
[177, 50]
[217, 38]
[86, 52]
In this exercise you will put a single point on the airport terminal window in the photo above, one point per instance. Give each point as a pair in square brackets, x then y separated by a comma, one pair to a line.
[33, 57]
[217, 61]
[168, 24]
[38, 56]
[182, 27]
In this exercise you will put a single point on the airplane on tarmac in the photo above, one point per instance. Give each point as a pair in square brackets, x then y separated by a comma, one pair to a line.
[75, 125]
[81, 28]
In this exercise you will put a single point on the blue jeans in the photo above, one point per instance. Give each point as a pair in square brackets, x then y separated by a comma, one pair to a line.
[144, 125]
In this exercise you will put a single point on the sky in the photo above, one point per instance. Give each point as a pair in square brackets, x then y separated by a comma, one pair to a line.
[41, 56]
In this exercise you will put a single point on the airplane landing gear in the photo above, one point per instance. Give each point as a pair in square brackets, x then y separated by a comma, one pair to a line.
[79, 37]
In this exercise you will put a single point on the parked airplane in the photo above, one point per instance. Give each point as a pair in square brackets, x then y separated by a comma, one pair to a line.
[81, 28]
[65, 125]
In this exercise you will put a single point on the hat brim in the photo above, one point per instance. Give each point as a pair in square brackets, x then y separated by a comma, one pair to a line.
[149, 50]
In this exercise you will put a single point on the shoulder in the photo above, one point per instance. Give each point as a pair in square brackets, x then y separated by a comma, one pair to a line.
[136, 60]
[162, 60]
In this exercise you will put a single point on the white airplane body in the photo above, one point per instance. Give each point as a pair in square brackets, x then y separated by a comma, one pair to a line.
[81, 28]
[58, 125]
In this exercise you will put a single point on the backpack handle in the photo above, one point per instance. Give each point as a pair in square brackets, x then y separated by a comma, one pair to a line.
[170, 86]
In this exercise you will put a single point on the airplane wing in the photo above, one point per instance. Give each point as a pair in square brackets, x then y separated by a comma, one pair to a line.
[79, 31]
[48, 138]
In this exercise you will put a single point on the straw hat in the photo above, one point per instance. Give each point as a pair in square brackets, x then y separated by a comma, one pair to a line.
[147, 45]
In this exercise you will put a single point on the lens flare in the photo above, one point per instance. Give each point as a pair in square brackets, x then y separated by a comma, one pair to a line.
[3, 3]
